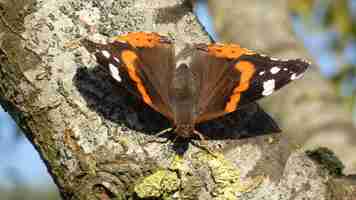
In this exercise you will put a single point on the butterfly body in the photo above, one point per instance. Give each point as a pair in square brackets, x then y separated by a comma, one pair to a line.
[192, 83]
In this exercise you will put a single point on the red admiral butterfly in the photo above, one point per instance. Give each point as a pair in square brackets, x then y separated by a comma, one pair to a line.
[199, 83]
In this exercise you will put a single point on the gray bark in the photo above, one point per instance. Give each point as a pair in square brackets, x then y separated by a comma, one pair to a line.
[77, 119]
[309, 109]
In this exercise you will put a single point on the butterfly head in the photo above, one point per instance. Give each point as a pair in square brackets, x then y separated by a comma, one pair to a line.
[185, 130]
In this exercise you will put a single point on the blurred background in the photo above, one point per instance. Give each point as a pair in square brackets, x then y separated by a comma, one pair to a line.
[327, 28]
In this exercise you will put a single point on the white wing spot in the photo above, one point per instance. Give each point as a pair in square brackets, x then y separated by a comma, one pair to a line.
[261, 73]
[116, 59]
[114, 72]
[105, 53]
[307, 61]
[285, 69]
[275, 70]
[274, 59]
[295, 76]
[268, 87]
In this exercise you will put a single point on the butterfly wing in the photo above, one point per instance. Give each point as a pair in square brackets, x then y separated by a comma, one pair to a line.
[270, 75]
[231, 77]
[142, 62]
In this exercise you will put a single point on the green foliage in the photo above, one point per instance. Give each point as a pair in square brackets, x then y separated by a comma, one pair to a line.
[337, 17]
[302, 7]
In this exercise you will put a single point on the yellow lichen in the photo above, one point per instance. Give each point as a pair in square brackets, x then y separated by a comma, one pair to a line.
[158, 184]
[177, 163]
[227, 177]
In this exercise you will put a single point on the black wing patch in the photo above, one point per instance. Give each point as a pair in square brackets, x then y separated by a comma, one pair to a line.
[270, 75]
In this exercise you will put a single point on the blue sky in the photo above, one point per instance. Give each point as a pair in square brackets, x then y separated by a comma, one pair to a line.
[19, 162]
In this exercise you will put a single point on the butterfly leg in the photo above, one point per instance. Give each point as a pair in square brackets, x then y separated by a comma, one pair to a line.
[200, 135]
[203, 143]
[204, 147]
[163, 132]
[158, 135]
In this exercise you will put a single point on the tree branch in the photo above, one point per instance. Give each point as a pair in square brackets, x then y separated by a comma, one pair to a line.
[92, 134]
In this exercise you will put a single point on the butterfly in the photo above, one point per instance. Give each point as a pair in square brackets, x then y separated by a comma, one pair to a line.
[192, 83]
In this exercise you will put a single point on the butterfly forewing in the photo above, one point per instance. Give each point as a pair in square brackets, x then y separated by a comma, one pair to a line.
[270, 75]
[232, 77]
[126, 65]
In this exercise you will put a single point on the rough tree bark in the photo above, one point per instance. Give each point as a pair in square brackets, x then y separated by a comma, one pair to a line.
[77, 119]
[310, 110]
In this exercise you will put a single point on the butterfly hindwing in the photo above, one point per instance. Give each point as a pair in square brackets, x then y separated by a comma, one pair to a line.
[215, 79]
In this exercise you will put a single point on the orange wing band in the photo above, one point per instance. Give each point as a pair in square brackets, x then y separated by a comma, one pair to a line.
[230, 51]
[247, 70]
[139, 39]
[129, 58]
